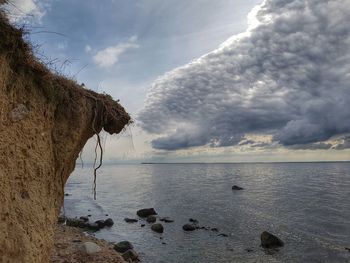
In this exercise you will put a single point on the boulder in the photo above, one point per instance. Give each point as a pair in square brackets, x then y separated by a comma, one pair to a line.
[151, 219]
[146, 212]
[123, 246]
[269, 240]
[91, 226]
[214, 229]
[130, 255]
[157, 228]
[222, 235]
[101, 223]
[74, 222]
[189, 227]
[90, 248]
[235, 187]
[109, 222]
[130, 220]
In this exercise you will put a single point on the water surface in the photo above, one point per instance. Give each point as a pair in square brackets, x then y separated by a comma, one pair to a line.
[306, 204]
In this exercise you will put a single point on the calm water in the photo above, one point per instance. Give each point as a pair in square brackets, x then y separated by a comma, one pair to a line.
[306, 204]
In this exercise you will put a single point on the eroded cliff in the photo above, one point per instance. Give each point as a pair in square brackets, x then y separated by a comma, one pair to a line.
[45, 120]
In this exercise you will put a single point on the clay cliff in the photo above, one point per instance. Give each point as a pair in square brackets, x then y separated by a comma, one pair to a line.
[45, 120]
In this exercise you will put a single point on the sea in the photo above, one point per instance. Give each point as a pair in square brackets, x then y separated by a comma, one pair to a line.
[307, 205]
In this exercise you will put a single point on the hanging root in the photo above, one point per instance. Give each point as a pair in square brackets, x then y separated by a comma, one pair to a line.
[98, 144]
[103, 110]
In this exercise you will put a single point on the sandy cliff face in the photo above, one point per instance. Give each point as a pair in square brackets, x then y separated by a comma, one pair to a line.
[45, 120]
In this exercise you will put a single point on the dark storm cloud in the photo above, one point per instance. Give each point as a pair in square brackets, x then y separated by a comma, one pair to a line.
[343, 144]
[288, 76]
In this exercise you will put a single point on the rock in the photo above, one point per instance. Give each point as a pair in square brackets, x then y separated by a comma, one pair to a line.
[146, 212]
[194, 221]
[66, 194]
[157, 228]
[89, 215]
[235, 187]
[92, 226]
[19, 113]
[142, 225]
[109, 222]
[214, 229]
[348, 249]
[189, 227]
[130, 220]
[163, 243]
[151, 219]
[130, 255]
[101, 223]
[269, 240]
[76, 241]
[61, 219]
[123, 246]
[166, 220]
[84, 218]
[90, 248]
[74, 222]
[222, 235]
[249, 250]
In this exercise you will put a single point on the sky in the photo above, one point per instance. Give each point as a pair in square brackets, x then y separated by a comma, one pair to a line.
[207, 81]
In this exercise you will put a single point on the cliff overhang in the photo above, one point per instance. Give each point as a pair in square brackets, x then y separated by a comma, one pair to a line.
[45, 121]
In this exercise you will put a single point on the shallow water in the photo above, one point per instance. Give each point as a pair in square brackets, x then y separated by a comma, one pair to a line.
[306, 204]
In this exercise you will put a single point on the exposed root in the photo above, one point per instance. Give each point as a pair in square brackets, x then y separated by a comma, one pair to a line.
[98, 143]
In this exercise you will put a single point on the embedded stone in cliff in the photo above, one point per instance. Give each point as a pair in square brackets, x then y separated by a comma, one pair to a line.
[19, 113]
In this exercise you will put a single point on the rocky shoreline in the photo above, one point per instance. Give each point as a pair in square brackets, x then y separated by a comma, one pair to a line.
[80, 244]
[73, 245]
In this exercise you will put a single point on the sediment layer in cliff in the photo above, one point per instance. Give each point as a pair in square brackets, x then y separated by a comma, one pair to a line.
[45, 121]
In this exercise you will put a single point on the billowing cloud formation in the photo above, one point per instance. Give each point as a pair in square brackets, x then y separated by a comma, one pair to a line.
[20, 10]
[288, 76]
[110, 55]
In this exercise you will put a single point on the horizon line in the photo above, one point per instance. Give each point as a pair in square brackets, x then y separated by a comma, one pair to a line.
[260, 162]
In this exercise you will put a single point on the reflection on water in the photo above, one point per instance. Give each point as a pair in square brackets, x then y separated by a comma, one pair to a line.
[305, 204]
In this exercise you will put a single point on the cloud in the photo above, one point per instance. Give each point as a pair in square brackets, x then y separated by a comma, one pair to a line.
[21, 10]
[109, 56]
[343, 143]
[287, 76]
[88, 49]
